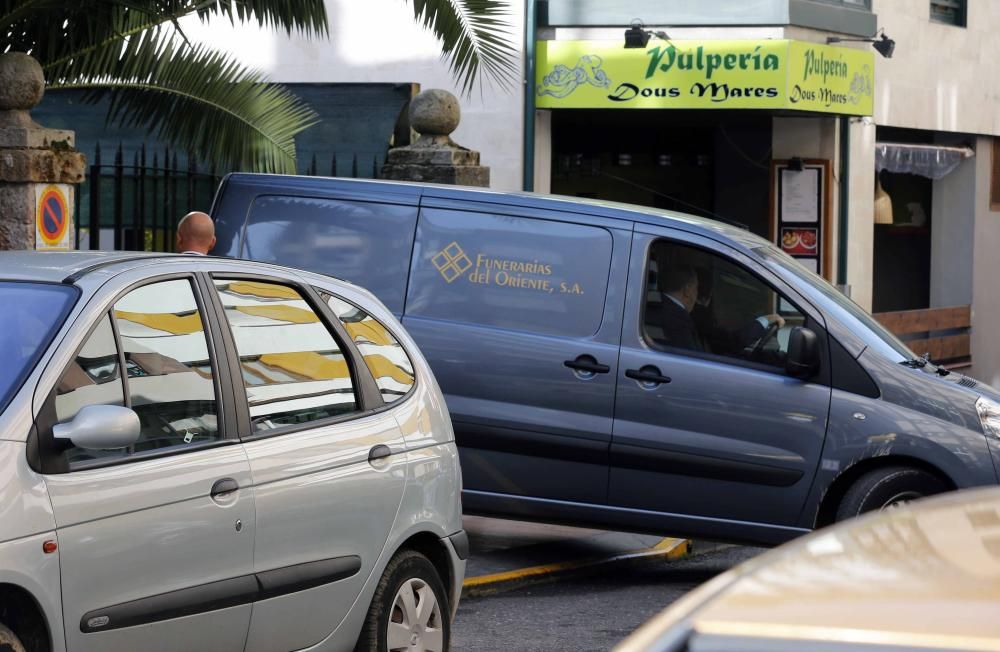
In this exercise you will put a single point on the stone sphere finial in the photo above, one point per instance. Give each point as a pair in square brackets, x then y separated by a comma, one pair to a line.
[22, 83]
[434, 112]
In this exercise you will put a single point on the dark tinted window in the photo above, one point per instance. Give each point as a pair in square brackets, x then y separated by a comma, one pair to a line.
[383, 354]
[294, 371]
[32, 313]
[702, 302]
[365, 243]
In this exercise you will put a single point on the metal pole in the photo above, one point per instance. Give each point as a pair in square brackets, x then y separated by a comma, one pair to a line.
[95, 200]
[119, 209]
[845, 171]
[528, 157]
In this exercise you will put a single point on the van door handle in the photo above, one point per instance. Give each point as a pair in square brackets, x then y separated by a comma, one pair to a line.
[587, 363]
[223, 487]
[648, 374]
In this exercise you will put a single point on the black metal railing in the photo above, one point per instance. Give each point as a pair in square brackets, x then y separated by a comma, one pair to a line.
[135, 205]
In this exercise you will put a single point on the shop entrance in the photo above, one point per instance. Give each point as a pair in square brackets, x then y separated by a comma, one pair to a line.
[709, 163]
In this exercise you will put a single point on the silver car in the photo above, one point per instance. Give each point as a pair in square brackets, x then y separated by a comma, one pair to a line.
[210, 454]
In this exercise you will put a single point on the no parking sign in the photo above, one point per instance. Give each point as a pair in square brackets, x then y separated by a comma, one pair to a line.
[53, 214]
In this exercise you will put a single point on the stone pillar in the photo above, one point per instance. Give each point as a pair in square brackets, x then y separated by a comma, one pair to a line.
[39, 168]
[435, 157]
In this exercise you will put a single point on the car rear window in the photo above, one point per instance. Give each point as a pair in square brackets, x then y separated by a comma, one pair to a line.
[32, 313]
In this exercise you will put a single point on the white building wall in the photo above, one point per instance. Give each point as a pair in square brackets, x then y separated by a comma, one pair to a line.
[378, 41]
[941, 77]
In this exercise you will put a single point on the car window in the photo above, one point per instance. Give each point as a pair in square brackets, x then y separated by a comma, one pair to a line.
[168, 378]
[383, 354]
[32, 314]
[294, 371]
[516, 273]
[701, 302]
[367, 243]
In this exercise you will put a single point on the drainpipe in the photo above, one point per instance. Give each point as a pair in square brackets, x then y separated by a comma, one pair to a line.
[528, 157]
[845, 167]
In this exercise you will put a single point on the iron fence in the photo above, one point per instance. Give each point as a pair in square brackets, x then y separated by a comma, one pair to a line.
[134, 205]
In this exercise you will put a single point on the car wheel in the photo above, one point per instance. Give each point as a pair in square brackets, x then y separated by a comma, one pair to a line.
[409, 610]
[887, 488]
[9, 642]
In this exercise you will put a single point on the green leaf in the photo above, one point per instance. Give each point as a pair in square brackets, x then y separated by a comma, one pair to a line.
[194, 98]
[475, 36]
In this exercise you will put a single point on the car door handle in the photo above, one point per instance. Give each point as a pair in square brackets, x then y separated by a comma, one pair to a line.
[379, 452]
[647, 375]
[587, 363]
[223, 487]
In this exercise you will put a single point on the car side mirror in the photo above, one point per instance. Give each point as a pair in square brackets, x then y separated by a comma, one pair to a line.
[100, 426]
[803, 353]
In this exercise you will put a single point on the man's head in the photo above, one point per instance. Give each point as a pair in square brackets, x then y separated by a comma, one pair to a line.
[681, 282]
[196, 232]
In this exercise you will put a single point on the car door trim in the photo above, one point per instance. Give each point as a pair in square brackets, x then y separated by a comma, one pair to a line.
[626, 456]
[566, 448]
[222, 594]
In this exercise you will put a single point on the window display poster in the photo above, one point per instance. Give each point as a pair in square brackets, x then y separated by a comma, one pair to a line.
[800, 207]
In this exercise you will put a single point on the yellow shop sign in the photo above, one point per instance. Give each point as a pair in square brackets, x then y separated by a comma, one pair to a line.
[765, 74]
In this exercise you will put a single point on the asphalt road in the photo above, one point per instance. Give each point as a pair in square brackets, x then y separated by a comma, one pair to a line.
[584, 613]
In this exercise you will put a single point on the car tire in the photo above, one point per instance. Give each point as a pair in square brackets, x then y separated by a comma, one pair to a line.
[886, 488]
[409, 601]
[9, 642]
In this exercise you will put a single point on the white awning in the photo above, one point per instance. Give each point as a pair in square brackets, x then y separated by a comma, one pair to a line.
[934, 161]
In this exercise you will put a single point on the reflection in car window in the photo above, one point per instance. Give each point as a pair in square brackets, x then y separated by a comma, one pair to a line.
[293, 369]
[383, 354]
[702, 302]
[93, 378]
[168, 371]
[856, 318]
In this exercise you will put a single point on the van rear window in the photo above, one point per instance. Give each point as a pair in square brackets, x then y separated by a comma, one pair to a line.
[365, 243]
[510, 272]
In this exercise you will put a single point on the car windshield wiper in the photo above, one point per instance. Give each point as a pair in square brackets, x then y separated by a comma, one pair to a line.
[917, 363]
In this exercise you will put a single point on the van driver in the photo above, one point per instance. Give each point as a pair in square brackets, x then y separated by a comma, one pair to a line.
[679, 286]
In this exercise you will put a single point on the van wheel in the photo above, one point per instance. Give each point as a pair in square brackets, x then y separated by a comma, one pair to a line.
[9, 642]
[409, 610]
[887, 488]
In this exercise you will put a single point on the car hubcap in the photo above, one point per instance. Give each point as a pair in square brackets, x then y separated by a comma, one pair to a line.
[415, 623]
[900, 499]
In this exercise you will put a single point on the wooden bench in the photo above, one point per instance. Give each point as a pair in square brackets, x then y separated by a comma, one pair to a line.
[944, 333]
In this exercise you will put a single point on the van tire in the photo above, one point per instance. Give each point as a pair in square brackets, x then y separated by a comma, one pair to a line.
[9, 642]
[886, 488]
[411, 568]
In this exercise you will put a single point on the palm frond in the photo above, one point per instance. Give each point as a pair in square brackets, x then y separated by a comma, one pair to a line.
[306, 17]
[195, 98]
[474, 36]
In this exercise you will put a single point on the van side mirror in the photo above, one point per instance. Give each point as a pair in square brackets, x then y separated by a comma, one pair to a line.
[803, 353]
[100, 426]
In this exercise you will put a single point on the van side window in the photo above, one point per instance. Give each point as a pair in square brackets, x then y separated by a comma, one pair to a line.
[383, 354]
[294, 371]
[700, 302]
[361, 242]
[516, 273]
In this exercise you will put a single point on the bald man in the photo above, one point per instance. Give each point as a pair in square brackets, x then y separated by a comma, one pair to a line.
[195, 234]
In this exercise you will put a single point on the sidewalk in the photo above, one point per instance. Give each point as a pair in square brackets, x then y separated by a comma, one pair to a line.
[508, 554]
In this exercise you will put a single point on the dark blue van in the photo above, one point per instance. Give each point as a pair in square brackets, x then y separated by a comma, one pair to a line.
[628, 368]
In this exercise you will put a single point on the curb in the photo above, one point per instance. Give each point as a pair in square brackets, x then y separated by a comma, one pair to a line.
[481, 585]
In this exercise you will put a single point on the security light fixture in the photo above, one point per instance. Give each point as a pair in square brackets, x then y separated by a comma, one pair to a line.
[637, 36]
[882, 43]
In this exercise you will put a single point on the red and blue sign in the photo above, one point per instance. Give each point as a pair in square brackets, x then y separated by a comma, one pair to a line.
[52, 217]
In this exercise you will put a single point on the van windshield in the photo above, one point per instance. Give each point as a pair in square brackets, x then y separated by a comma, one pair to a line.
[849, 313]
[32, 313]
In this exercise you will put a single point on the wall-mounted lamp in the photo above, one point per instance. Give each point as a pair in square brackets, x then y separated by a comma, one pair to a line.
[882, 44]
[637, 36]
[795, 164]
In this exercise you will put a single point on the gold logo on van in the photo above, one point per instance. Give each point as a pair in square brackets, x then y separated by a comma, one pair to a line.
[452, 262]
